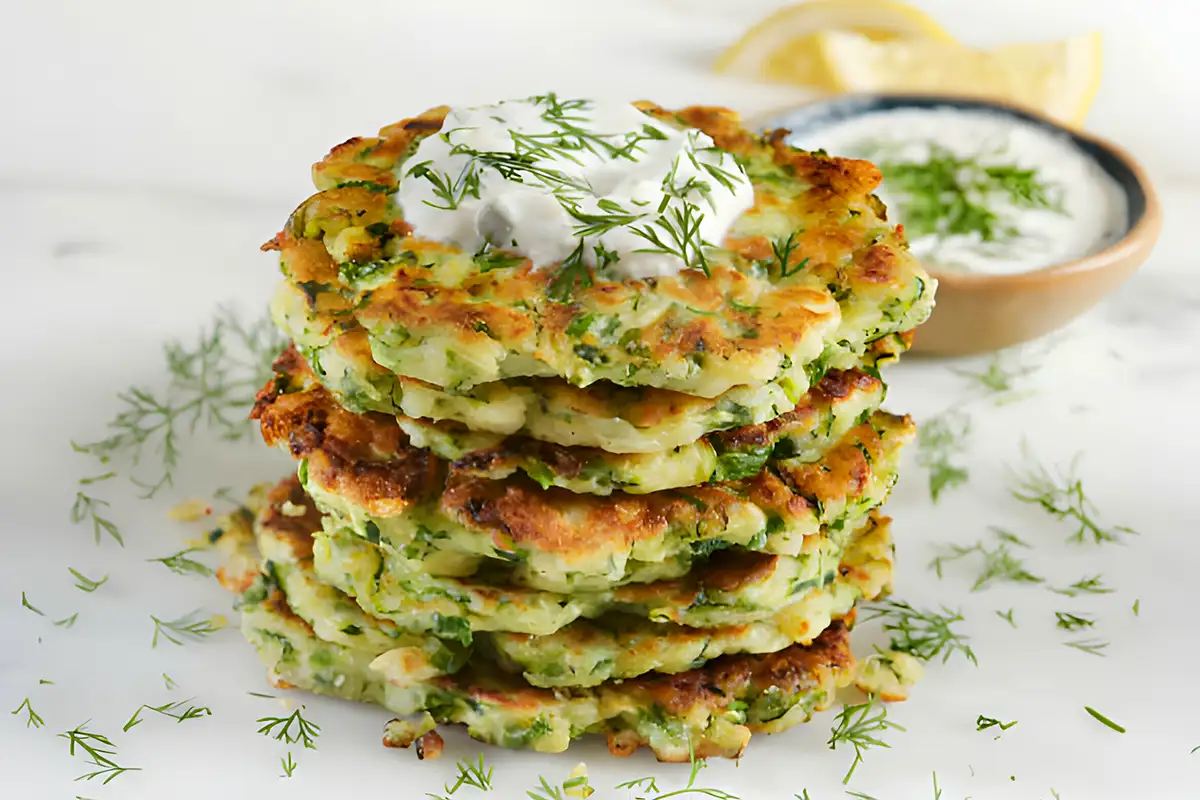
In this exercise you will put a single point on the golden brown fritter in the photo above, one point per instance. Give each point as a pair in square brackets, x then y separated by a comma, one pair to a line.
[424, 305]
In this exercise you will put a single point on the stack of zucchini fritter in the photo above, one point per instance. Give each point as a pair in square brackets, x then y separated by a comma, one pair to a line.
[543, 505]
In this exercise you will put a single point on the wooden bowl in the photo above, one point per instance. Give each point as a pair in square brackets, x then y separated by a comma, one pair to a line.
[977, 313]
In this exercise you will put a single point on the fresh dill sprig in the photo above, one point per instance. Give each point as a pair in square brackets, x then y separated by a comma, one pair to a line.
[948, 195]
[1136, 603]
[168, 710]
[1007, 616]
[185, 627]
[280, 728]
[470, 774]
[999, 377]
[940, 440]
[289, 765]
[1104, 720]
[84, 583]
[545, 791]
[1090, 646]
[212, 383]
[87, 508]
[858, 727]
[26, 604]
[649, 784]
[572, 275]
[783, 249]
[999, 563]
[982, 723]
[921, 633]
[99, 750]
[803, 795]
[1062, 496]
[1070, 622]
[33, 719]
[1092, 585]
[180, 564]
[67, 622]
[44, 682]
[171, 684]
[860, 795]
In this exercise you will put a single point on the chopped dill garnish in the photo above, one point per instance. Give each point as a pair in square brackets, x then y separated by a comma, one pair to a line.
[180, 564]
[171, 684]
[1071, 622]
[280, 728]
[999, 563]
[940, 440]
[982, 723]
[289, 765]
[999, 377]
[1092, 585]
[32, 720]
[88, 508]
[921, 633]
[67, 622]
[1090, 646]
[1136, 603]
[168, 710]
[25, 603]
[84, 583]
[212, 383]
[99, 750]
[470, 774]
[1104, 720]
[1007, 616]
[949, 195]
[860, 728]
[185, 627]
[1062, 496]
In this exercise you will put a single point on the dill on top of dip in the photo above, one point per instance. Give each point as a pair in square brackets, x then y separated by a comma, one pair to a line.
[980, 191]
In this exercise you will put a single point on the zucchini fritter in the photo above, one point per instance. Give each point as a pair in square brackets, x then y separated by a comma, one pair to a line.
[364, 473]
[458, 320]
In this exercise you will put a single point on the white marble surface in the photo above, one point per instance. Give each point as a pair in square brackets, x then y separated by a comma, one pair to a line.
[150, 147]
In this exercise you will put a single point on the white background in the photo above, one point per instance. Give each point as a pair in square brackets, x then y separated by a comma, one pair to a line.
[150, 147]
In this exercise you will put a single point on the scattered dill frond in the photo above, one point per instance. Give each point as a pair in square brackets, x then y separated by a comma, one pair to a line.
[180, 564]
[921, 633]
[168, 710]
[289, 765]
[171, 684]
[67, 622]
[1061, 495]
[1090, 646]
[999, 377]
[1092, 585]
[32, 719]
[1071, 622]
[185, 627]
[860, 728]
[99, 750]
[84, 583]
[982, 723]
[940, 440]
[26, 604]
[1136, 603]
[471, 774]
[1103, 719]
[999, 563]
[1007, 616]
[88, 508]
[211, 384]
[280, 728]
[937, 792]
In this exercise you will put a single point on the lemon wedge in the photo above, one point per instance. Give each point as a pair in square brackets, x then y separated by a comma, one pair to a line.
[1060, 79]
[785, 47]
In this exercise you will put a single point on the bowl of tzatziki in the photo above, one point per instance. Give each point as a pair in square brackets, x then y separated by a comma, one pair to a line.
[1025, 224]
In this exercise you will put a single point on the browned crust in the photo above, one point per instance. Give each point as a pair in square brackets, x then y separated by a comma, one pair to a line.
[839, 192]
[296, 530]
[367, 460]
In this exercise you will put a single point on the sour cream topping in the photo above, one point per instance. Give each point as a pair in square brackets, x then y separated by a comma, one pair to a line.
[568, 181]
[1059, 203]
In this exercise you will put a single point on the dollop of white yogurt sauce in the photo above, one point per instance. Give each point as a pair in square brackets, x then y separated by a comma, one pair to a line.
[1091, 210]
[555, 179]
